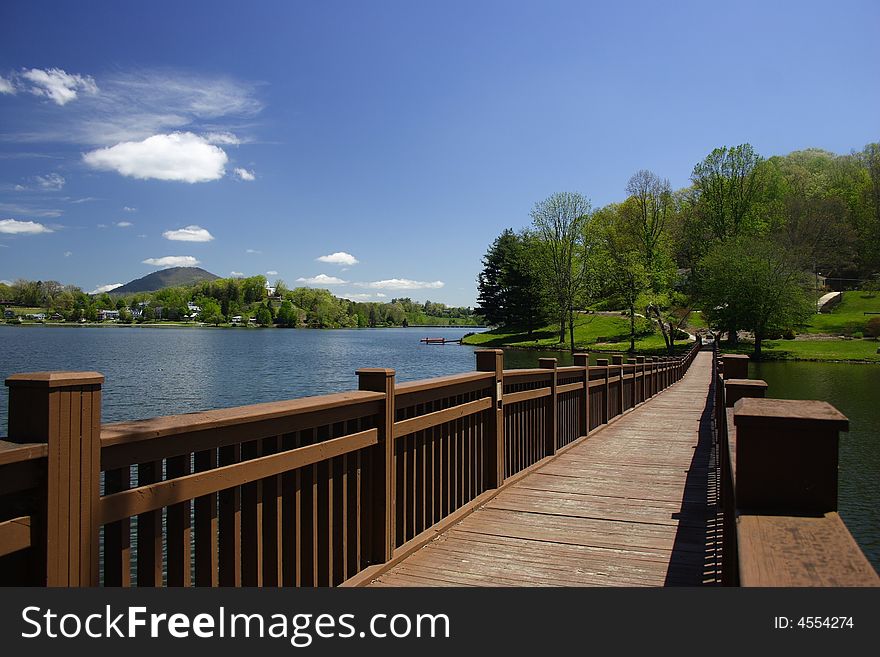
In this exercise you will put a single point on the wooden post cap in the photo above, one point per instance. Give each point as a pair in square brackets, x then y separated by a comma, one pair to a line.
[54, 379]
[602, 362]
[640, 359]
[736, 389]
[617, 359]
[375, 371]
[581, 359]
[787, 455]
[548, 363]
[788, 413]
[736, 366]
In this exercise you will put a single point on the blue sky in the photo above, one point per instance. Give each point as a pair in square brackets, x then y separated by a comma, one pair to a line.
[402, 135]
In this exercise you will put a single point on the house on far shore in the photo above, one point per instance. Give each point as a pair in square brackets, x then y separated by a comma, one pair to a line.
[193, 308]
[104, 315]
[236, 319]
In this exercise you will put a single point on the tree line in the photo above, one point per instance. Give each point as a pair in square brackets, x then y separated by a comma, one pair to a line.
[746, 241]
[219, 301]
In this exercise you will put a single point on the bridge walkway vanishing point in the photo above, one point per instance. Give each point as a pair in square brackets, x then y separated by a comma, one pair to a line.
[633, 503]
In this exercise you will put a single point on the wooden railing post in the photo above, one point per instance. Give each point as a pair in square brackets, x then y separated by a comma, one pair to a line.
[583, 360]
[736, 366]
[63, 409]
[644, 384]
[492, 360]
[786, 455]
[383, 475]
[606, 412]
[634, 370]
[551, 364]
[617, 359]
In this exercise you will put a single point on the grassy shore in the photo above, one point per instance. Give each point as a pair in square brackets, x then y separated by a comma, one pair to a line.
[592, 333]
[854, 350]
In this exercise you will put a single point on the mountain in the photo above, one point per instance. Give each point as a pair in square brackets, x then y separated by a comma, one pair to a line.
[171, 277]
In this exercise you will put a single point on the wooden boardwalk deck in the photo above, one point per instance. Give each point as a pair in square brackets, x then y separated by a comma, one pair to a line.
[633, 504]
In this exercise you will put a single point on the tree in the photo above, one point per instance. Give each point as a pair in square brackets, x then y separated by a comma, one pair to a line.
[560, 222]
[264, 316]
[511, 292]
[754, 284]
[728, 185]
[649, 209]
[210, 311]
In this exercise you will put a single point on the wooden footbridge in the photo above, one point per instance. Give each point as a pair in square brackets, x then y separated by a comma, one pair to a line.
[654, 471]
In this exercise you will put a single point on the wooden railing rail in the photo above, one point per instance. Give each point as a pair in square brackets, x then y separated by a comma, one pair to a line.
[314, 491]
[778, 461]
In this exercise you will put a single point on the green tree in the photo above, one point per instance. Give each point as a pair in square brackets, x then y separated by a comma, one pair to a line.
[264, 316]
[560, 222]
[210, 311]
[728, 183]
[753, 284]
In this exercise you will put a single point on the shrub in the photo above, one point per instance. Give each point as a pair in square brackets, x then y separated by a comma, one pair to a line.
[788, 334]
[858, 334]
[872, 328]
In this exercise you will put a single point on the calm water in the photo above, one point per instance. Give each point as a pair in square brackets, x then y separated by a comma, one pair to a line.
[855, 391]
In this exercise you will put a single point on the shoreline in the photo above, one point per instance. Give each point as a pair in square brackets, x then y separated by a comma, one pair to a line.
[171, 325]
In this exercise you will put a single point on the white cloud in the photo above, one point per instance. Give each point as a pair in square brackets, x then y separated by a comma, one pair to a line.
[252, 251]
[102, 225]
[363, 296]
[106, 288]
[125, 208]
[271, 272]
[15, 227]
[322, 279]
[6, 86]
[188, 234]
[141, 235]
[244, 174]
[67, 254]
[237, 274]
[402, 284]
[58, 85]
[172, 261]
[338, 258]
[29, 210]
[20, 188]
[224, 138]
[124, 224]
[180, 156]
[50, 182]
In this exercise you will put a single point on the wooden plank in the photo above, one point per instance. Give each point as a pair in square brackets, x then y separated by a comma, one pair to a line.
[428, 420]
[155, 496]
[800, 551]
[117, 535]
[15, 535]
[206, 526]
[145, 440]
[511, 398]
[178, 529]
[149, 530]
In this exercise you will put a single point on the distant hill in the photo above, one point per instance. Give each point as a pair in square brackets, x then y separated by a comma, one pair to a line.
[171, 277]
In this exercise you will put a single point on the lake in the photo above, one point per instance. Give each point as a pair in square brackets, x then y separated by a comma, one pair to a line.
[164, 371]
[855, 391]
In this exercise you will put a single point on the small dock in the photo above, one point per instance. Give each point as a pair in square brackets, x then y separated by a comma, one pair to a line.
[439, 341]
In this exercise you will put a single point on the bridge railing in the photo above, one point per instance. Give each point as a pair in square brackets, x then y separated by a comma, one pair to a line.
[317, 491]
[779, 464]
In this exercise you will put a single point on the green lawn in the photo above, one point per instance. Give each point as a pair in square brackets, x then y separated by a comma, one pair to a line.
[593, 332]
[848, 316]
[855, 350]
